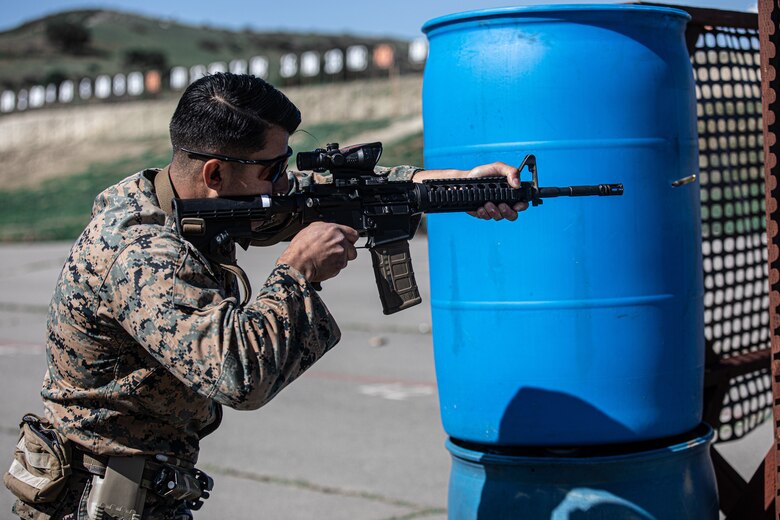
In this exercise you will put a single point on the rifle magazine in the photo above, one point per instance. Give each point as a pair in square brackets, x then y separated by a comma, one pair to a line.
[395, 276]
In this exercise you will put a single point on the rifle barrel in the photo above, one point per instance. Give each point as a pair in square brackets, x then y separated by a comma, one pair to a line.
[582, 191]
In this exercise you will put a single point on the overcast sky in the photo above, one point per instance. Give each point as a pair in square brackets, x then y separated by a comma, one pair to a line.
[386, 18]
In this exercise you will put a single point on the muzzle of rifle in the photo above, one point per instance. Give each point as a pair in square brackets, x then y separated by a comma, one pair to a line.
[602, 190]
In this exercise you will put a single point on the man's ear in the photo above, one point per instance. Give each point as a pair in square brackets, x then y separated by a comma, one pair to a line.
[212, 177]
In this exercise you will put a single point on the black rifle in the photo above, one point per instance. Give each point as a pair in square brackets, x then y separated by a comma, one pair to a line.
[387, 213]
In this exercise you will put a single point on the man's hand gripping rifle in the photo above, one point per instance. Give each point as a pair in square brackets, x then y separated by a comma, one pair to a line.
[386, 213]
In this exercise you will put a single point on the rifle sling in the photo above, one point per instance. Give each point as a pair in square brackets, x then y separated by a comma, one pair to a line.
[242, 278]
[165, 193]
[163, 187]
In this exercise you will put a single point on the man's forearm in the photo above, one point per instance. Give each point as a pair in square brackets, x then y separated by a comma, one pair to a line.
[422, 175]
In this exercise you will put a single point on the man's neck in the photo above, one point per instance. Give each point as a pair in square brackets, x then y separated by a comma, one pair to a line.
[182, 184]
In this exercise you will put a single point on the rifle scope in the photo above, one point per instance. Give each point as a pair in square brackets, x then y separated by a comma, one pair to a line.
[356, 158]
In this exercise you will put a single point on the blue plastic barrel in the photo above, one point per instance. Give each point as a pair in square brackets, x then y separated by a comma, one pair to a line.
[581, 323]
[656, 482]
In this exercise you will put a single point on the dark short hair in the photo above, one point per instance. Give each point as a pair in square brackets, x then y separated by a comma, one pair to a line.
[230, 113]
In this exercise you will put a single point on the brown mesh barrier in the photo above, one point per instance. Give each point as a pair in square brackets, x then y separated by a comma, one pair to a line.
[726, 67]
[725, 56]
[769, 22]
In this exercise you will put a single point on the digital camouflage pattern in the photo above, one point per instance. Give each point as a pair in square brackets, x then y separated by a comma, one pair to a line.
[400, 173]
[146, 339]
[394, 174]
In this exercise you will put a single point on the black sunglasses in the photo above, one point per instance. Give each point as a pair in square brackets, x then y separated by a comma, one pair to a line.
[280, 162]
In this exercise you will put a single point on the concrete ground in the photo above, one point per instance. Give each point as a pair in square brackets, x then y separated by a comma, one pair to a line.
[357, 437]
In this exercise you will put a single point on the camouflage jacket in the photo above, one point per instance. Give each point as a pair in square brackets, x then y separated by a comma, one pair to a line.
[146, 339]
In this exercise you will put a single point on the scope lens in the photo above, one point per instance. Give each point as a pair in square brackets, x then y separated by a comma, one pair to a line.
[309, 161]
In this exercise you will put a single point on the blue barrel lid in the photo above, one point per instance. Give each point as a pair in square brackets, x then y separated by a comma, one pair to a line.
[482, 14]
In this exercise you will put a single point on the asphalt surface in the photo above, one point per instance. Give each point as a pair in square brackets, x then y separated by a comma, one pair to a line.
[356, 437]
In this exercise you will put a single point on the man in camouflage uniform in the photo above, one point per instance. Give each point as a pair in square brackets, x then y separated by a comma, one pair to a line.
[146, 338]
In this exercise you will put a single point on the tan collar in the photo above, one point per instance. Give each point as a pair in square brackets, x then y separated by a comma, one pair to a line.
[164, 189]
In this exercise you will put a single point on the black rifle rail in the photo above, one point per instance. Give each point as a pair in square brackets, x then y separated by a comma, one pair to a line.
[468, 194]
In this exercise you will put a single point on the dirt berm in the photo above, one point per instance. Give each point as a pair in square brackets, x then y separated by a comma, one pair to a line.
[40, 144]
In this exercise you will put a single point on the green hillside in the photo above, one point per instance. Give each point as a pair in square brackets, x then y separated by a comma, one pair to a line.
[82, 43]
